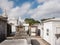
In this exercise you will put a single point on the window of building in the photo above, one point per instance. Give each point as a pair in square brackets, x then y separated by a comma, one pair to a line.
[47, 32]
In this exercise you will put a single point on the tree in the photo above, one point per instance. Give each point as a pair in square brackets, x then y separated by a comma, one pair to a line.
[31, 21]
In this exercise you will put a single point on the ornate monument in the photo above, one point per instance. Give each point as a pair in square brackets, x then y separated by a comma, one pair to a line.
[20, 33]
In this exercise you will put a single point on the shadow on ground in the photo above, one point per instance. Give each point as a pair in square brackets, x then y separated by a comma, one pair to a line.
[1, 40]
[34, 42]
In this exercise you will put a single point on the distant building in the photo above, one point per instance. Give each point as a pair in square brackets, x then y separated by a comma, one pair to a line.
[26, 26]
[13, 22]
[52, 31]
[3, 27]
[40, 27]
[35, 30]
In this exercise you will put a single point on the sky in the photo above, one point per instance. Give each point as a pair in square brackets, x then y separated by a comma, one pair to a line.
[36, 9]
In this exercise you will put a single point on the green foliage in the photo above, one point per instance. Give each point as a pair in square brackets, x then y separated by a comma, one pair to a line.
[31, 21]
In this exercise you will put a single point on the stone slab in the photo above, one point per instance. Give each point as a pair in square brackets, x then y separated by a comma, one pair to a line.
[15, 42]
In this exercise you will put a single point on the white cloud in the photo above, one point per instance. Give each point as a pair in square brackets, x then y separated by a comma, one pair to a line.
[19, 11]
[48, 9]
[39, 1]
[5, 4]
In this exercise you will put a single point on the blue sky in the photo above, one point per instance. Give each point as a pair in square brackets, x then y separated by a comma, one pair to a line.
[20, 2]
[36, 9]
[0, 11]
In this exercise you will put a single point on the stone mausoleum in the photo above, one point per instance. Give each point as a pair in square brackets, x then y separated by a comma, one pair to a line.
[3, 28]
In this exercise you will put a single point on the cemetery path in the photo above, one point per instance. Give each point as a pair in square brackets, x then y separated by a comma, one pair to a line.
[34, 41]
[15, 42]
[40, 40]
